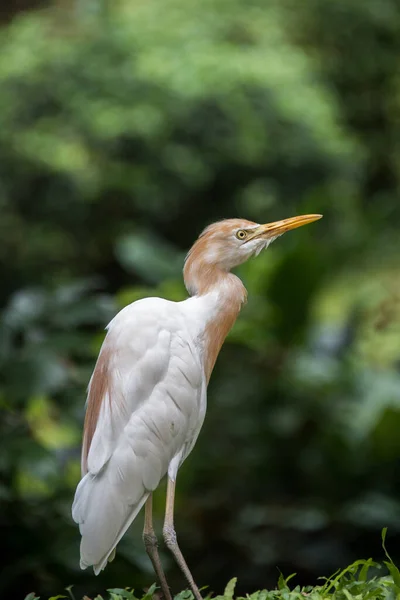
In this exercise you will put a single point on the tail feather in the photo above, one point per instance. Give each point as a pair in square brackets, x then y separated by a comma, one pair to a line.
[104, 515]
[109, 557]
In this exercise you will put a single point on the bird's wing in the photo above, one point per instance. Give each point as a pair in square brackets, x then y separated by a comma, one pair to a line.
[144, 408]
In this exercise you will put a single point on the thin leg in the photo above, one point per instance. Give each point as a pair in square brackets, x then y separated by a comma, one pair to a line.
[171, 541]
[151, 545]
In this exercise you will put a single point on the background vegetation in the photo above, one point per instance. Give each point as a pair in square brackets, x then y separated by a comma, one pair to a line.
[125, 128]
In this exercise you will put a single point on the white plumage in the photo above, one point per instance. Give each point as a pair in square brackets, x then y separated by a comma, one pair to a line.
[158, 402]
[147, 395]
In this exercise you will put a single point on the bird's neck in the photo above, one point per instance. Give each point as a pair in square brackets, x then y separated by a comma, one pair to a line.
[222, 294]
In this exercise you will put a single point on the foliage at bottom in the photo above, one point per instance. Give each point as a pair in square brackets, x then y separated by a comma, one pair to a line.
[359, 581]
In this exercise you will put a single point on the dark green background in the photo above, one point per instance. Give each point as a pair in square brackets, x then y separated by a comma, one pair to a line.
[125, 128]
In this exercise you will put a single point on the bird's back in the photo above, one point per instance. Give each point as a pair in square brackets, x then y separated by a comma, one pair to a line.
[147, 419]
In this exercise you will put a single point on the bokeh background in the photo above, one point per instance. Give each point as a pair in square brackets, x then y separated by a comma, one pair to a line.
[125, 128]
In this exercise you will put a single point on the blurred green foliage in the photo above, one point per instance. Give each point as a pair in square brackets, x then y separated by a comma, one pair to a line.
[124, 130]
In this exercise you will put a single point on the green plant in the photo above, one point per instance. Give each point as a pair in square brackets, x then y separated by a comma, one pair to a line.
[351, 583]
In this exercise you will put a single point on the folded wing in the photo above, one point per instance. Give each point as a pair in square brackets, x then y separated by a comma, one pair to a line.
[144, 408]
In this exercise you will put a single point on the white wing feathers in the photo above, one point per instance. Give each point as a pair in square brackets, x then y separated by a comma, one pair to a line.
[148, 418]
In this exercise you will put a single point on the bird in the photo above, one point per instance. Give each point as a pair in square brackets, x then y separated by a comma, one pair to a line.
[147, 396]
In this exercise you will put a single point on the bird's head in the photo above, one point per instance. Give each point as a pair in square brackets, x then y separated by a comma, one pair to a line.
[229, 243]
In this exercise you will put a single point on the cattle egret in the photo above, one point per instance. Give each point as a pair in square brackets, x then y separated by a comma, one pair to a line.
[147, 395]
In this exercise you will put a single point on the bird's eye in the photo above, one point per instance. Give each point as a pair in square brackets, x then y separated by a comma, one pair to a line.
[241, 234]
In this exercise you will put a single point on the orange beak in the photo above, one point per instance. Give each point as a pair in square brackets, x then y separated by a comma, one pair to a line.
[279, 227]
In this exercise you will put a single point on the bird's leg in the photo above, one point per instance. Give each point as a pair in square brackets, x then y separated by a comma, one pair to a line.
[151, 545]
[171, 541]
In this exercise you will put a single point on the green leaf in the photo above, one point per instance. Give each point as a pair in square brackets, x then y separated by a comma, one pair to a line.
[393, 570]
[149, 594]
[123, 593]
[230, 589]
[32, 596]
[69, 590]
[384, 532]
[117, 593]
[339, 579]
[188, 595]
[283, 583]
[364, 569]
